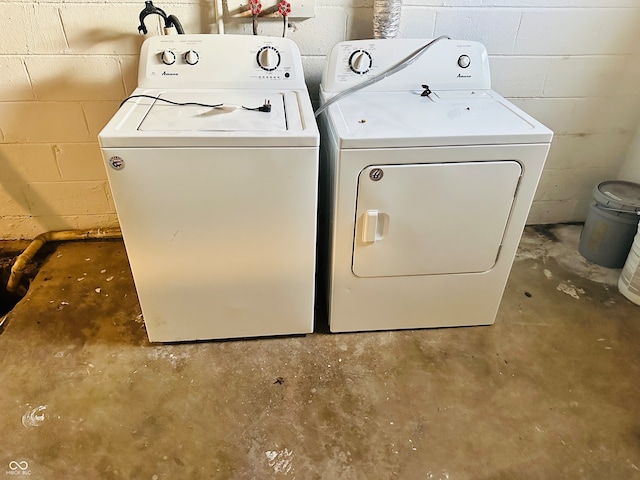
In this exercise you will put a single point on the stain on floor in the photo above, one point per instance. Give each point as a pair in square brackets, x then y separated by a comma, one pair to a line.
[549, 391]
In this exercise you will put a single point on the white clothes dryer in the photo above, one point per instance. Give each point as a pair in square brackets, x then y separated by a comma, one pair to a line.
[213, 166]
[428, 177]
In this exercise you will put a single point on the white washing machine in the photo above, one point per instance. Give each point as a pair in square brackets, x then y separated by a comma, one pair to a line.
[427, 194]
[213, 166]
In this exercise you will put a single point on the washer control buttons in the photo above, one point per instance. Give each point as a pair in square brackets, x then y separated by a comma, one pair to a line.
[268, 58]
[191, 57]
[360, 62]
[168, 57]
[464, 61]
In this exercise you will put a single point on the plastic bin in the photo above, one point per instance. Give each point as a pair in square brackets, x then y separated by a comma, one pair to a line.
[611, 224]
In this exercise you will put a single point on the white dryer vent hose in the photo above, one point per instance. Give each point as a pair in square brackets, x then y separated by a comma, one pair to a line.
[386, 18]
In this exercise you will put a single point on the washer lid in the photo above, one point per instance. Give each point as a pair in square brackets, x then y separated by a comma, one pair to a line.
[236, 112]
[618, 195]
[407, 119]
[145, 121]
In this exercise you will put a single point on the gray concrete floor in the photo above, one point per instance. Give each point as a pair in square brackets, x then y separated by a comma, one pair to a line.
[550, 391]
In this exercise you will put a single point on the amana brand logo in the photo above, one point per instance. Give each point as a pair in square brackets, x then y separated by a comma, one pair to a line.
[170, 74]
[463, 76]
[116, 163]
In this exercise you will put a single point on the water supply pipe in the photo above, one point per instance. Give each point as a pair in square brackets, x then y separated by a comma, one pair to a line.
[219, 14]
[14, 285]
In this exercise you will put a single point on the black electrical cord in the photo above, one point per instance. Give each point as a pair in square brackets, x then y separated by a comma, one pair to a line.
[196, 104]
[266, 107]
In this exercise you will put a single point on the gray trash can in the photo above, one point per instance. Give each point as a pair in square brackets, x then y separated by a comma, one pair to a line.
[611, 224]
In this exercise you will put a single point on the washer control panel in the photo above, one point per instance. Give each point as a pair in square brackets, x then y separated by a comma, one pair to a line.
[445, 65]
[219, 61]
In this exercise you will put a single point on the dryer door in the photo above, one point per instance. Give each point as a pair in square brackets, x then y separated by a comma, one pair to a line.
[425, 219]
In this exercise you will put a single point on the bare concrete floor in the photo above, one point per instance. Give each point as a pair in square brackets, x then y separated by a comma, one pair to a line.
[551, 391]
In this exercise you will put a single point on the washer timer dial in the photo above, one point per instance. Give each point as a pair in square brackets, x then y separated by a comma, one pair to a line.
[268, 58]
[360, 62]
[168, 57]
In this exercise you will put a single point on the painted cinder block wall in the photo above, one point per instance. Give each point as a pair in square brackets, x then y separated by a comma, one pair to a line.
[65, 66]
[630, 169]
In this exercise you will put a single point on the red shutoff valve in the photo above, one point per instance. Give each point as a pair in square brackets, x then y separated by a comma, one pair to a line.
[255, 6]
[284, 8]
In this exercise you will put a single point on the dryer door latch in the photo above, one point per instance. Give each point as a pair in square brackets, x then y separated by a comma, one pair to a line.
[370, 226]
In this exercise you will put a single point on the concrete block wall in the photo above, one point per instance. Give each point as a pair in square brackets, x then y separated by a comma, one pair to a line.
[630, 170]
[65, 65]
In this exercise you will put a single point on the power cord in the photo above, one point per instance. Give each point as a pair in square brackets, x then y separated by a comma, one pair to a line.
[265, 107]
[381, 76]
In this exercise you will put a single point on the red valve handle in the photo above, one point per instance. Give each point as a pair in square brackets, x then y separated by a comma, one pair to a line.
[255, 6]
[284, 8]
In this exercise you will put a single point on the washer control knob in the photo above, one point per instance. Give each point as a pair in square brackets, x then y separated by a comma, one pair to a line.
[191, 57]
[464, 61]
[268, 58]
[360, 62]
[168, 57]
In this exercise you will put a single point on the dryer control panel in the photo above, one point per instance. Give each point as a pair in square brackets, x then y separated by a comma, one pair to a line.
[445, 65]
[220, 61]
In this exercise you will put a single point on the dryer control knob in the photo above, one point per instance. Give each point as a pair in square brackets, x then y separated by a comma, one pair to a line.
[168, 57]
[464, 61]
[360, 62]
[268, 58]
[191, 57]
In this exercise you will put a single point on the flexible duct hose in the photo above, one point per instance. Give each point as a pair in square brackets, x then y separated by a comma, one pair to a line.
[13, 284]
[386, 18]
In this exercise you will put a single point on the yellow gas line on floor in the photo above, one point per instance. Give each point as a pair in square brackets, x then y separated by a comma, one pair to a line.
[13, 284]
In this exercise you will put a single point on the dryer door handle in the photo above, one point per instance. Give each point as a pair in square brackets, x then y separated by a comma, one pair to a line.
[370, 226]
